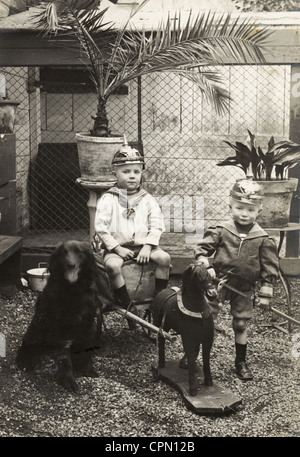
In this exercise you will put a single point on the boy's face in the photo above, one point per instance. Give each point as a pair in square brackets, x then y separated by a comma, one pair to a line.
[128, 176]
[244, 213]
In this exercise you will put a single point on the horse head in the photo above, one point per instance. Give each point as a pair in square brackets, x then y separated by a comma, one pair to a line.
[195, 276]
[197, 284]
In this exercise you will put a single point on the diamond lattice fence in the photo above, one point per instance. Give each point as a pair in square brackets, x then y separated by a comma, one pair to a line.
[183, 139]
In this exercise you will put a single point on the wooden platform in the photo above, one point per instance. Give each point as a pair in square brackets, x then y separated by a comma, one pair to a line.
[10, 263]
[209, 400]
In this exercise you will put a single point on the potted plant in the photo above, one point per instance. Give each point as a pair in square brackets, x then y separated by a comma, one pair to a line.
[270, 168]
[116, 55]
[8, 110]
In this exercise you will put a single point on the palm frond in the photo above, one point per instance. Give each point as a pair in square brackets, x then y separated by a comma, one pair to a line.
[180, 44]
[213, 93]
[201, 41]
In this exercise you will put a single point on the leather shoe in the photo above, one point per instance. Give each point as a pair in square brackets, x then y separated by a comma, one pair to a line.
[243, 371]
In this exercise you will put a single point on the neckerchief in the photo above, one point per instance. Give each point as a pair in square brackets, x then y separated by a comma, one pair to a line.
[123, 200]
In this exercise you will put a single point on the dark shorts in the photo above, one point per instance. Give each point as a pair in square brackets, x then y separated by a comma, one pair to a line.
[241, 307]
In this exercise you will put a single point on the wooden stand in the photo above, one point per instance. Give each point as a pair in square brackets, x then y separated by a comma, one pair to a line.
[10, 263]
[96, 189]
[209, 400]
[8, 212]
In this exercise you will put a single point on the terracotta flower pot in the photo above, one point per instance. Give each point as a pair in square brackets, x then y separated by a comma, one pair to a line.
[95, 155]
[277, 202]
[8, 110]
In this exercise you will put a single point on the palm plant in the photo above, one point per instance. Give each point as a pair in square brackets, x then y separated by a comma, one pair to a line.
[115, 56]
[279, 158]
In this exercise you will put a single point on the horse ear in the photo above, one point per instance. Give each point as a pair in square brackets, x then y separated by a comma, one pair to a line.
[188, 269]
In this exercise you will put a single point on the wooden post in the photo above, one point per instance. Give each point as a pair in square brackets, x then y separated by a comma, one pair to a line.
[96, 189]
[292, 239]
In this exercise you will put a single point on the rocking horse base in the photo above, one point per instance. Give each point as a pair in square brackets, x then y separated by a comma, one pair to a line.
[209, 400]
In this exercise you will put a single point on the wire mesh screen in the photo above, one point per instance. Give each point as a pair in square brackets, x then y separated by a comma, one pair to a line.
[183, 139]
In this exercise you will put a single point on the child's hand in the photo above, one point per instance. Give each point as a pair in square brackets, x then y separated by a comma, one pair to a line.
[125, 253]
[212, 273]
[144, 254]
[203, 260]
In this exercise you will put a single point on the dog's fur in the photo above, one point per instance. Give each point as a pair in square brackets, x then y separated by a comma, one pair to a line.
[67, 319]
[193, 330]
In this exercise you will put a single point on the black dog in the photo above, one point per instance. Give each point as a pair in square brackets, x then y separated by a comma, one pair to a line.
[67, 319]
[190, 316]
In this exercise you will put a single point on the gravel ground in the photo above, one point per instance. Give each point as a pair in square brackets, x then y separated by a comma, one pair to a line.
[125, 401]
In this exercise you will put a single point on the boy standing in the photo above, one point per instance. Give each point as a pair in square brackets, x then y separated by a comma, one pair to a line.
[129, 223]
[243, 255]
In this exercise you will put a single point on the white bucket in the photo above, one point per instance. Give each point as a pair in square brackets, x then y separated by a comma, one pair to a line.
[37, 278]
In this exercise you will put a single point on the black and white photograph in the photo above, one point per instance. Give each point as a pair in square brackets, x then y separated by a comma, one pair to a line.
[149, 221]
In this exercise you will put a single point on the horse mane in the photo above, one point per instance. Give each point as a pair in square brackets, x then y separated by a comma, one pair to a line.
[195, 281]
[188, 276]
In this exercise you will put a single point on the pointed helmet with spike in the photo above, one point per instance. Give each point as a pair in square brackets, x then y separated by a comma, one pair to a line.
[127, 156]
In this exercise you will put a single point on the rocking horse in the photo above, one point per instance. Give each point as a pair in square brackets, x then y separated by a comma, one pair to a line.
[189, 314]
[195, 325]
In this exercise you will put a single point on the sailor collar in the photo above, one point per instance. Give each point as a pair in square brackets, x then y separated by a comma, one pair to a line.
[255, 232]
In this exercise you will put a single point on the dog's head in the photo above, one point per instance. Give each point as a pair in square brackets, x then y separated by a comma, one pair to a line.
[71, 262]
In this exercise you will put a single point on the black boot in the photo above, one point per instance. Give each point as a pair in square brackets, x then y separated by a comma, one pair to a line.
[242, 369]
[124, 300]
[122, 296]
